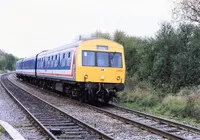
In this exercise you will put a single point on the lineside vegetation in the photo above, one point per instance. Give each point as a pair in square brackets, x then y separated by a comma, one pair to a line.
[163, 72]
[7, 61]
[2, 130]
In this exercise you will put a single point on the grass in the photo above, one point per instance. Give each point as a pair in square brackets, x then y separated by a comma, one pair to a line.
[184, 105]
[2, 130]
[174, 105]
[2, 72]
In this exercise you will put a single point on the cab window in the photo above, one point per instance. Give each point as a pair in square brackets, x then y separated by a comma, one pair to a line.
[102, 59]
[88, 58]
[116, 60]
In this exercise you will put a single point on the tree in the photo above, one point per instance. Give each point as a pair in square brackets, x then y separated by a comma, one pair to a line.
[187, 10]
[120, 37]
[99, 34]
[2, 62]
[7, 62]
[10, 61]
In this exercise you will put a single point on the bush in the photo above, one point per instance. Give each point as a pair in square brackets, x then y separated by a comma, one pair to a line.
[131, 82]
[142, 94]
[174, 105]
[185, 92]
[149, 101]
[182, 106]
[131, 96]
[197, 110]
[2, 130]
[192, 108]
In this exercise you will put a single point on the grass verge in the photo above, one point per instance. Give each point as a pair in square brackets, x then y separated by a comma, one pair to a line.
[182, 106]
[2, 130]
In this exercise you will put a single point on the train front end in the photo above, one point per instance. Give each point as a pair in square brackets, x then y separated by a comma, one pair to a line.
[100, 67]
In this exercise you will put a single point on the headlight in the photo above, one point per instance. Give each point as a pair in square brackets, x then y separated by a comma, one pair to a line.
[118, 78]
[86, 76]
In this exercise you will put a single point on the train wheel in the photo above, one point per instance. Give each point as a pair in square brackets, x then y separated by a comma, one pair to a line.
[54, 86]
[106, 99]
[92, 98]
[43, 84]
[82, 97]
[40, 83]
[71, 95]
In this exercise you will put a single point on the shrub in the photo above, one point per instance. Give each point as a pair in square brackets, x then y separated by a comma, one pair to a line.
[143, 95]
[123, 96]
[197, 110]
[2, 130]
[149, 101]
[193, 106]
[174, 105]
[131, 96]
[131, 82]
[185, 92]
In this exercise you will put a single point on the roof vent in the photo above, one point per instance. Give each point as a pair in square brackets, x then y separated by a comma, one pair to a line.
[84, 37]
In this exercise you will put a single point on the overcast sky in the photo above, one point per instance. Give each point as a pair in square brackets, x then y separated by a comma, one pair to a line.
[30, 26]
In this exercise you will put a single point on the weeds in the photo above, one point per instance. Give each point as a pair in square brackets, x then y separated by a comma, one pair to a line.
[2, 130]
[142, 94]
[174, 105]
[185, 104]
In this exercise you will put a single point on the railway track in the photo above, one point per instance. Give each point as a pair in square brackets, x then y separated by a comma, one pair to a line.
[157, 125]
[55, 123]
[163, 127]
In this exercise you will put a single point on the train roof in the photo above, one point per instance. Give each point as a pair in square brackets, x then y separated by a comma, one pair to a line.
[19, 60]
[77, 44]
[29, 58]
[95, 42]
[26, 58]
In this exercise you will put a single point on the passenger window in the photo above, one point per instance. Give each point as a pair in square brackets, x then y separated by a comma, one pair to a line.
[43, 62]
[56, 62]
[46, 62]
[39, 64]
[68, 64]
[63, 61]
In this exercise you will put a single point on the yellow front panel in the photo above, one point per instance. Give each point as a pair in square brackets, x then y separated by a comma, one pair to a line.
[99, 74]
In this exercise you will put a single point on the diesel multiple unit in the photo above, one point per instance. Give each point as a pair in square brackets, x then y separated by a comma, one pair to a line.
[87, 69]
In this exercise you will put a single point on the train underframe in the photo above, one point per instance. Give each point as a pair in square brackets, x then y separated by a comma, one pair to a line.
[84, 91]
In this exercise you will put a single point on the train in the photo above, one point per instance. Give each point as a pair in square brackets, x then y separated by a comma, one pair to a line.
[87, 69]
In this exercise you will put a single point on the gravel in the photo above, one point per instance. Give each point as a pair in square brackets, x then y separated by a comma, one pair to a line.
[11, 113]
[180, 132]
[115, 128]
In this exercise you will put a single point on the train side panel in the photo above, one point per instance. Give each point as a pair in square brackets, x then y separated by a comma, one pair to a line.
[58, 65]
[26, 67]
[19, 67]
